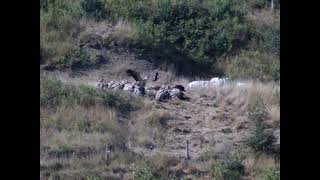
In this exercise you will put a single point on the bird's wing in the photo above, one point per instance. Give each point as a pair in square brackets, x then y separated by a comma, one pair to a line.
[156, 77]
[136, 76]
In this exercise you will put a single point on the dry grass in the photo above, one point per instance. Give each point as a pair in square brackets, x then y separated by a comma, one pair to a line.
[256, 164]
[148, 126]
[231, 104]
[71, 118]
[124, 30]
[264, 17]
[241, 97]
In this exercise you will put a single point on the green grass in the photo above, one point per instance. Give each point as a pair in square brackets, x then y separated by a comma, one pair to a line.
[54, 93]
[230, 167]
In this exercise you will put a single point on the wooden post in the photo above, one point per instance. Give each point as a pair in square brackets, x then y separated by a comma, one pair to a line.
[107, 155]
[188, 150]
[271, 4]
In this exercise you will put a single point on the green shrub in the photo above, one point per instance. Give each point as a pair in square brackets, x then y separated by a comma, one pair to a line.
[82, 125]
[271, 174]
[79, 58]
[257, 110]
[54, 93]
[191, 35]
[230, 167]
[263, 4]
[266, 37]
[59, 27]
[93, 9]
[201, 32]
[254, 65]
[93, 177]
[260, 140]
[142, 173]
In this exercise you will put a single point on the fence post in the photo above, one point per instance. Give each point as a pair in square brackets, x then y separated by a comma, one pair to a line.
[107, 155]
[188, 150]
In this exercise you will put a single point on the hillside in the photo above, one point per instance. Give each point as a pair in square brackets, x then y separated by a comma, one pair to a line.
[232, 132]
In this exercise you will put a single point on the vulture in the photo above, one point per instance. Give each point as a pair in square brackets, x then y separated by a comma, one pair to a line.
[136, 76]
[156, 77]
[180, 87]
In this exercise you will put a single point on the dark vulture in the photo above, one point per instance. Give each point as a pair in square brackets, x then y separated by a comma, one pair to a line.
[156, 77]
[180, 87]
[136, 76]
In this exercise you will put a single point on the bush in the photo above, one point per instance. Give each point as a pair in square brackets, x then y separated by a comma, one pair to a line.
[257, 110]
[191, 35]
[260, 140]
[142, 173]
[93, 9]
[59, 27]
[78, 58]
[230, 167]
[271, 174]
[201, 32]
[254, 65]
[263, 4]
[54, 93]
[266, 37]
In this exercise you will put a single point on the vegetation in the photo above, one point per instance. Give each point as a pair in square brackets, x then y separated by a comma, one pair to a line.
[193, 38]
[183, 33]
[271, 174]
[260, 140]
[230, 167]
[54, 93]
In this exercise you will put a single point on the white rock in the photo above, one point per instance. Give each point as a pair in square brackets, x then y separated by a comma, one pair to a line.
[198, 84]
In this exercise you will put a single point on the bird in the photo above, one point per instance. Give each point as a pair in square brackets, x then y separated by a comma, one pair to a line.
[136, 76]
[180, 87]
[156, 77]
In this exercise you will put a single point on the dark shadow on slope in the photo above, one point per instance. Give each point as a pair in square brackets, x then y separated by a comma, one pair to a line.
[166, 57]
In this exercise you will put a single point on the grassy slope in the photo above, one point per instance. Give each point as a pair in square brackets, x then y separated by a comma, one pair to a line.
[74, 135]
[77, 121]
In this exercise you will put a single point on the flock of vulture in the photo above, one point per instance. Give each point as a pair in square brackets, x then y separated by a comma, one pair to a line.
[138, 88]
[159, 93]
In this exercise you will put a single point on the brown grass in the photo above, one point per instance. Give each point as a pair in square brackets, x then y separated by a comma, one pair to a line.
[66, 118]
[256, 164]
[240, 97]
[264, 17]
[124, 30]
[148, 125]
